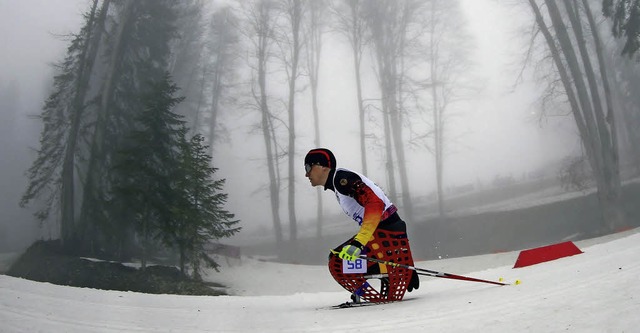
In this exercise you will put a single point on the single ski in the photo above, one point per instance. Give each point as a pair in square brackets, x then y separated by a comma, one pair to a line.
[347, 305]
[352, 304]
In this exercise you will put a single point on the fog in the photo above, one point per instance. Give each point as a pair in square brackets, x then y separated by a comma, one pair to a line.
[496, 131]
[32, 39]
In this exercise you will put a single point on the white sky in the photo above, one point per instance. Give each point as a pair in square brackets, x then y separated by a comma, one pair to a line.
[596, 291]
[29, 32]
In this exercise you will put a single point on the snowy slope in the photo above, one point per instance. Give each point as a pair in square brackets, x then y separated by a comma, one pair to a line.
[597, 291]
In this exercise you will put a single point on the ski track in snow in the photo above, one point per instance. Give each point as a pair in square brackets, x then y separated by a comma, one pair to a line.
[596, 291]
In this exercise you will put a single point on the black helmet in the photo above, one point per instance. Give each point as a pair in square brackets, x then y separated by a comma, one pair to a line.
[320, 156]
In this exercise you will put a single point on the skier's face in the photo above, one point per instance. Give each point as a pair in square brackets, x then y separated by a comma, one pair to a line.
[317, 174]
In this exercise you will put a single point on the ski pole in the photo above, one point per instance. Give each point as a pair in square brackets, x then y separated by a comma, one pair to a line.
[426, 272]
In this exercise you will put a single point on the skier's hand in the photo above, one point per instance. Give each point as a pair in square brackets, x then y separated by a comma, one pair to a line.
[351, 251]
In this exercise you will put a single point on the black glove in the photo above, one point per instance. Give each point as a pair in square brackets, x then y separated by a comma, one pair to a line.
[414, 283]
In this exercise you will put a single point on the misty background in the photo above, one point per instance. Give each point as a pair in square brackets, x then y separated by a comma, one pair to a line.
[495, 133]
[32, 40]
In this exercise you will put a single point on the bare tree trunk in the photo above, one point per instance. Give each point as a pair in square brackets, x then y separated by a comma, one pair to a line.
[314, 52]
[608, 178]
[628, 134]
[395, 120]
[294, 13]
[615, 215]
[92, 39]
[222, 47]
[356, 46]
[445, 70]
[399, 76]
[593, 87]
[564, 76]
[587, 111]
[438, 123]
[267, 133]
[437, 139]
[361, 117]
[381, 39]
[216, 91]
[626, 126]
[352, 25]
[98, 141]
[260, 20]
[91, 49]
[386, 115]
[388, 29]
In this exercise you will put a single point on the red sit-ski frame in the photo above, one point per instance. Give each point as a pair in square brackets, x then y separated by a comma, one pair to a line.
[389, 246]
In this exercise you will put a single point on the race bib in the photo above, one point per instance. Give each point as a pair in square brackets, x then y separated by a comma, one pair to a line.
[359, 266]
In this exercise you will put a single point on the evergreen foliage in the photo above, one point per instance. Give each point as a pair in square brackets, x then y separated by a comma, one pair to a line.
[45, 174]
[626, 22]
[200, 215]
[111, 135]
[137, 51]
[147, 164]
[167, 186]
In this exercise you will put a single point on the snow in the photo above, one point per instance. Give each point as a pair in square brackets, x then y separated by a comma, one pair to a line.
[596, 291]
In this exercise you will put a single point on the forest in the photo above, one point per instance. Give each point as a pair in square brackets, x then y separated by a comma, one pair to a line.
[150, 93]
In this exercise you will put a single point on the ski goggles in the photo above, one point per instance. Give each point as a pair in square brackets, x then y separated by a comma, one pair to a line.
[308, 167]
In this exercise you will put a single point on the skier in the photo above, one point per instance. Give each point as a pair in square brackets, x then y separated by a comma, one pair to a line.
[382, 234]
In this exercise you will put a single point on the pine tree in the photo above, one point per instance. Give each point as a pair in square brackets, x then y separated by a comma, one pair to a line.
[51, 175]
[148, 163]
[136, 54]
[45, 172]
[166, 183]
[200, 216]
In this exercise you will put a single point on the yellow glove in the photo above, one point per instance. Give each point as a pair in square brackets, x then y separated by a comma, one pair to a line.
[351, 252]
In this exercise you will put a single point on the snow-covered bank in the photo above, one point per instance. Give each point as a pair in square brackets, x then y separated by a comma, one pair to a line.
[597, 291]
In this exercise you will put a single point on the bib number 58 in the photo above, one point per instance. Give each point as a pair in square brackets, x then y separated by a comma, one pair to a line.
[357, 266]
